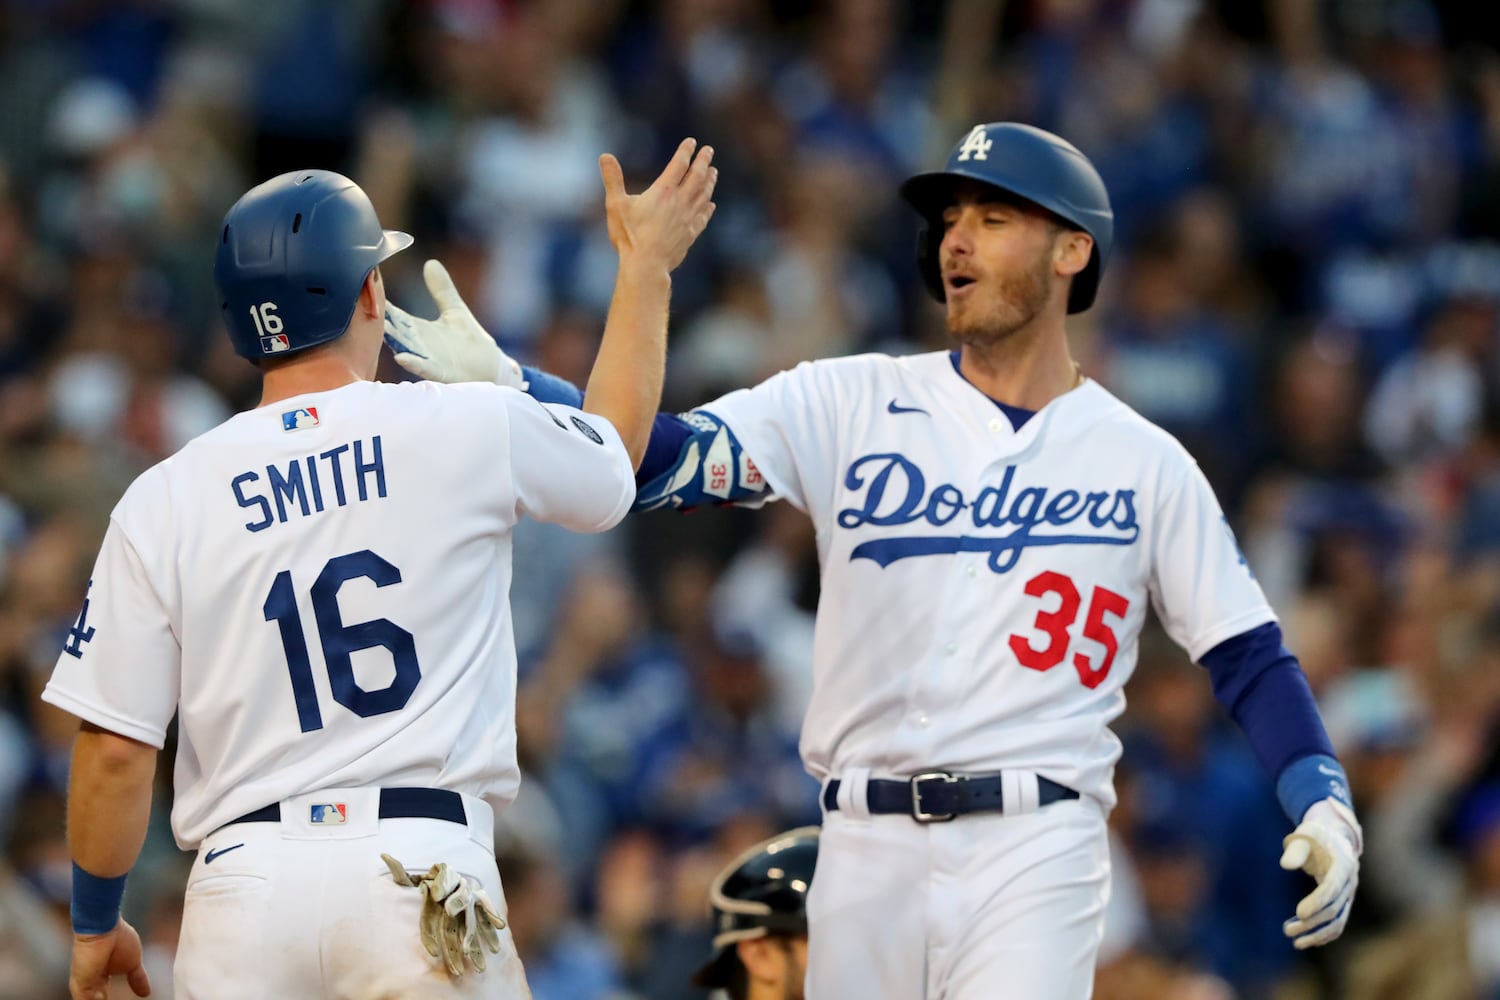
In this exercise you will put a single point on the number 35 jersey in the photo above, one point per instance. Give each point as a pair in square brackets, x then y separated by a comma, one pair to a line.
[320, 589]
[983, 588]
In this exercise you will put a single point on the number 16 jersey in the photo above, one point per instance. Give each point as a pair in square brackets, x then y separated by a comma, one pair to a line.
[983, 588]
[319, 588]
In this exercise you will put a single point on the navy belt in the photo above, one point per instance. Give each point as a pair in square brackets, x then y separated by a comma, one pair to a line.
[938, 796]
[395, 803]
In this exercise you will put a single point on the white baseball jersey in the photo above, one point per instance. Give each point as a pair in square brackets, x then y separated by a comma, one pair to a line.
[983, 588]
[319, 588]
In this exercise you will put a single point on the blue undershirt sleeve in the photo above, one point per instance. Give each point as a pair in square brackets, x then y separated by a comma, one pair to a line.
[1262, 687]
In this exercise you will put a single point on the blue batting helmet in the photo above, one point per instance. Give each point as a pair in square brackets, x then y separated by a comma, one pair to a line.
[293, 255]
[762, 892]
[1031, 164]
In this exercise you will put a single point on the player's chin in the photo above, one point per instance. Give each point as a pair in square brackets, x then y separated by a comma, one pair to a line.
[967, 325]
[962, 319]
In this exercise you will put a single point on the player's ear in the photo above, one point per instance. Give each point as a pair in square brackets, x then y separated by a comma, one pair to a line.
[1071, 250]
[763, 960]
[372, 295]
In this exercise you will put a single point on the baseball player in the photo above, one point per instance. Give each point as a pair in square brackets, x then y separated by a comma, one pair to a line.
[759, 907]
[991, 527]
[318, 589]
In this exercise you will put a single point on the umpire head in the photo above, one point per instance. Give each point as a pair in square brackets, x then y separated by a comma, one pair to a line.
[759, 905]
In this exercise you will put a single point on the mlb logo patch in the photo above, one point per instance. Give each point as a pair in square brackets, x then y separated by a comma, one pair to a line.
[296, 420]
[329, 814]
[275, 344]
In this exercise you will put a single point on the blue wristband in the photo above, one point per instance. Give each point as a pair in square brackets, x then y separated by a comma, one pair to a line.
[1311, 779]
[551, 389]
[96, 902]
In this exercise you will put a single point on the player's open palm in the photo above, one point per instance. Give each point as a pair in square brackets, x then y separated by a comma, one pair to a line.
[661, 223]
[97, 957]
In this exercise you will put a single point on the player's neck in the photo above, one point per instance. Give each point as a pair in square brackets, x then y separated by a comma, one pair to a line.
[315, 372]
[1027, 370]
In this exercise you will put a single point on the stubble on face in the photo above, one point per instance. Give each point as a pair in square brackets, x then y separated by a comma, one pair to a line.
[1009, 303]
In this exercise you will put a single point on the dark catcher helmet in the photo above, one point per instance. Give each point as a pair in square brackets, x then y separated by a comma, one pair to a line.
[762, 892]
[292, 257]
[1028, 163]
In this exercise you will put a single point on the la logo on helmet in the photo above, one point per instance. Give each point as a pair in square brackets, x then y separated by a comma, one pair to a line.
[976, 144]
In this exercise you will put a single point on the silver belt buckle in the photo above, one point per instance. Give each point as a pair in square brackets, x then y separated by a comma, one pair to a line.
[917, 812]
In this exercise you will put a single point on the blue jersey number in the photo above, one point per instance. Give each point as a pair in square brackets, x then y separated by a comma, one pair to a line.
[340, 641]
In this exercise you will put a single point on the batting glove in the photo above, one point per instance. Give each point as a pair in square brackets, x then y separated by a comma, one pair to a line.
[1326, 845]
[458, 920]
[451, 348]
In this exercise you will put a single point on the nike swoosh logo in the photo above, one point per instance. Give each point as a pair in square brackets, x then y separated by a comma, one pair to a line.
[894, 407]
[209, 858]
[1325, 769]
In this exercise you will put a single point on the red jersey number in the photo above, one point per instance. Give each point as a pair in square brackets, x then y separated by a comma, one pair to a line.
[1054, 626]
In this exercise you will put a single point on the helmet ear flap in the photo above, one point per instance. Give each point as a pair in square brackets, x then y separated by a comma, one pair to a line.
[929, 239]
[1085, 285]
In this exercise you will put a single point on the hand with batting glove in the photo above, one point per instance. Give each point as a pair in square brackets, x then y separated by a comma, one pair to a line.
[1326, 845]
[458, 920]
[451, 348]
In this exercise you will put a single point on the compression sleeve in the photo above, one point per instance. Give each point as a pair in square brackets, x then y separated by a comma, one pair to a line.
[1262, 686]
[668, 434]
[707, 466]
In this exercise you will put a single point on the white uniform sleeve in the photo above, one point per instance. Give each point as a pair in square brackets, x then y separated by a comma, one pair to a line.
[121, 665]
[786, 427]
[570, 468]
[1201, 585]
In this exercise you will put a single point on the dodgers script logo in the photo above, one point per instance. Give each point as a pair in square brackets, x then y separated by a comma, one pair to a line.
[896, 493]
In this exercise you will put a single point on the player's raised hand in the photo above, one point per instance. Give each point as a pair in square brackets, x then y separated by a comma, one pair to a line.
[451, 348]
[660, 224]
[1326, 845]
[97, 957]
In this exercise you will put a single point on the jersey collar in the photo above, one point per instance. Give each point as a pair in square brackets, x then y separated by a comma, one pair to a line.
[1073, 411]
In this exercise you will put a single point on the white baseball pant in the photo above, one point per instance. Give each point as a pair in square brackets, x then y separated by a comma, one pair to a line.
[305, 908]
[989, 905]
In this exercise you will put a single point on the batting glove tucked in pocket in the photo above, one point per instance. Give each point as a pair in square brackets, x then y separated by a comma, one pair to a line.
[458, 920]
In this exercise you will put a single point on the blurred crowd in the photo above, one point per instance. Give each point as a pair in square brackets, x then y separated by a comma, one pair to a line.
[1305, 289]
